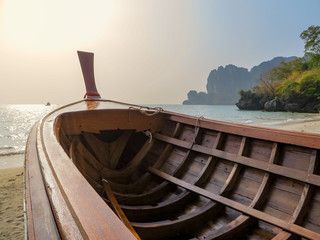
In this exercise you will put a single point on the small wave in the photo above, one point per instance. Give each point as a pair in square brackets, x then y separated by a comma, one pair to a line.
[2, 154]
[11, 150]
[7, 147]
[248, 122]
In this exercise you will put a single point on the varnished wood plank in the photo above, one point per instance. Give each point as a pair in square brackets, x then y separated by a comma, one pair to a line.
[272, 168]
[305, 199]
[282, 136]
[41, 224]
[155, 193]
[164, 209]
[234, 174]
[238, 225]
[169, 228]
[109, 119]
[63, 214]
[190, 220]
[240, 207]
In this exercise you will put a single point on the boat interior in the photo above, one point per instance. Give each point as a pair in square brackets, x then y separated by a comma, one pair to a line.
[171, 176]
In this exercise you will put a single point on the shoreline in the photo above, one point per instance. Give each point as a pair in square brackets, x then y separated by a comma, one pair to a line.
[12, 174]
[309, 126]
[12, 161]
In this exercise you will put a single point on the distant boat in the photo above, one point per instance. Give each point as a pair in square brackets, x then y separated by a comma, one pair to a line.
[48, 104]
[101, 169]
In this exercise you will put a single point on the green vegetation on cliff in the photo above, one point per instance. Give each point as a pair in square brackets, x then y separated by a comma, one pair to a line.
[293, 86]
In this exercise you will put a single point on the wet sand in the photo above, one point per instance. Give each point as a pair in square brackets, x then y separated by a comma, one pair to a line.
[11, 186]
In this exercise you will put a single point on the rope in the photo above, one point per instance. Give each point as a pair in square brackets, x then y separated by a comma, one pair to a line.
[144, 110]
[196, 129]
[148, 134]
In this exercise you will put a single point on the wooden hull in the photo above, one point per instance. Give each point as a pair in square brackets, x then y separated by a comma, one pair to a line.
[99, 169]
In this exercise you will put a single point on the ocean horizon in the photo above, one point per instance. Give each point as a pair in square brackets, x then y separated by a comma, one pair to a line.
[18, 119]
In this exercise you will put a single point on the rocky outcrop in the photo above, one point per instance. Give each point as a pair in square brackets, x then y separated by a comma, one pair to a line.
[292, 107]
[250, 101]
[274, 105]
[249, 106]
[195, 98]
[303, 105]
[224, 83]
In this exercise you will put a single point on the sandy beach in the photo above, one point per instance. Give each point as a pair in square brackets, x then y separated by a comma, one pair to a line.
[309, 127]
[11, 201]
[11, 186]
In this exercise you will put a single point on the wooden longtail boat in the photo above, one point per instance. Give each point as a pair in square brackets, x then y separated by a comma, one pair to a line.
[100, 169]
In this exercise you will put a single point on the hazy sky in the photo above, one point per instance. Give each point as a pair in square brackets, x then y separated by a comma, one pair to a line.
[146, 51]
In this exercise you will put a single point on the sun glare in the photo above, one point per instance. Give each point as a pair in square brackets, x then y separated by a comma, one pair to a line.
[38, 24]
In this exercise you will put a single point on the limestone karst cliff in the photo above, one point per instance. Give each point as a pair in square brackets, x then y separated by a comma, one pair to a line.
[224, 83]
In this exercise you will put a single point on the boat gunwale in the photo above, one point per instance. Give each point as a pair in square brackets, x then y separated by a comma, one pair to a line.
[305, 139]
[67, 192]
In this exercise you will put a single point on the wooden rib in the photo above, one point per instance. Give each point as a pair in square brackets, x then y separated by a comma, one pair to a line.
[233, 176]
[117, 209]
[147, 198]
[134, 187]
[157, 192]
[189, 221]
[146, 212]
[122, 175]
[98, 148]
[304, 201]
[240, 207]
[165, 229]
[166, 206]
[64, 140]
[296, 174]
[139, 185]
[240, 224]
[116, 148]
[79, 159]
[81, 150]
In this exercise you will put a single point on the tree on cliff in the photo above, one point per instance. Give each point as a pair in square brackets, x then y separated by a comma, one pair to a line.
[271, 80]
[311, 36]
[295, 85]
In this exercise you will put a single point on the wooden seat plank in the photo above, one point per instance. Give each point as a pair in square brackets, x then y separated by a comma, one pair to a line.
[296, 174]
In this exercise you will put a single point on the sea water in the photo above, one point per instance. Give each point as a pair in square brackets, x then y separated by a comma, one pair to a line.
[15, 124]
[16, 121]
[231, 113]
